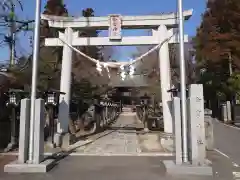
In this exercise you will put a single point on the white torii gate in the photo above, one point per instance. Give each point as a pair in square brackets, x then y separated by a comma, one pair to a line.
[162, 27]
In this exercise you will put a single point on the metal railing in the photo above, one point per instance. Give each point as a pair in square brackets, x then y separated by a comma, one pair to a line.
[106, 112]
[95, 118]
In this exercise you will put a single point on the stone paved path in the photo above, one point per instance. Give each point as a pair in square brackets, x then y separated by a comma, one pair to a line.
[121, 167]
[121, 138]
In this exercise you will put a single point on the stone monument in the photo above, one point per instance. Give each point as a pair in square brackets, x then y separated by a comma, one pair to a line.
[198, 164]
[39, 165]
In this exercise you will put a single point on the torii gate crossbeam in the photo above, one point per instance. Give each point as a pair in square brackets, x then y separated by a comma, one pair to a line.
[128, 22]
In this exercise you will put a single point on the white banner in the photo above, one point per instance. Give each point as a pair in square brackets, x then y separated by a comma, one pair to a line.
[115, 27]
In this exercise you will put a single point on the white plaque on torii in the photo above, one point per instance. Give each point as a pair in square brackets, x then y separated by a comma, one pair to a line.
[115, 27]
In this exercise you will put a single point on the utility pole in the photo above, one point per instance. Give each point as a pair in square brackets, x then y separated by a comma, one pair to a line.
[14, 27]
[233, 99]
[183, 83]
[12, 34]
[34, 75]
[230, 63]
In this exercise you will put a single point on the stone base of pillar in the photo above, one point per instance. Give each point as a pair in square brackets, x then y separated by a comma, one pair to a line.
[64, 140]
[188, 169]
[16, 167]
[168, 143]
[208, 121]
[58, 139]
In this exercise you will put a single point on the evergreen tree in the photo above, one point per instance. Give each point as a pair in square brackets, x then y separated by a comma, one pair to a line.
[218, 34]
[56, 8]
[50, 58]
[216, 41]
[82, 86]
[93, 51]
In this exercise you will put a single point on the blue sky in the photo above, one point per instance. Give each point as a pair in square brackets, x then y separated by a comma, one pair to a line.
[123, 7]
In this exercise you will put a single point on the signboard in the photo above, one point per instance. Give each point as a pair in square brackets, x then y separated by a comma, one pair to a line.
[115, 27]
[126, 93]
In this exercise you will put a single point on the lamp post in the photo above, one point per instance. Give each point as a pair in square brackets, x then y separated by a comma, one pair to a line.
[183, 82]
[14, 102]
[52, 102]
[34, 76]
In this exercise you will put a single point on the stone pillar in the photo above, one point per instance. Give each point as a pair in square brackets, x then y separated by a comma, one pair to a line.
[229, 111]
[38, 153]
[164, 65]
[106, 120]
[197, 144]
[176, 110]
[224, 113]
[24, 131]
[65, 85]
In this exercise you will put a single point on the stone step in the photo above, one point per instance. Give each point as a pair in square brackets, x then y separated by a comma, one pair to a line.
[127, 109]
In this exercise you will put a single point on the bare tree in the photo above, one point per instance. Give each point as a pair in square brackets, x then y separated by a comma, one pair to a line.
[107, 52]
[10, 27]
[175, 66]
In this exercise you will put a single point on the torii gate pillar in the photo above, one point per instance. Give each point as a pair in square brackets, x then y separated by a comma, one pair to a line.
[65, 85]
[165, 76]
